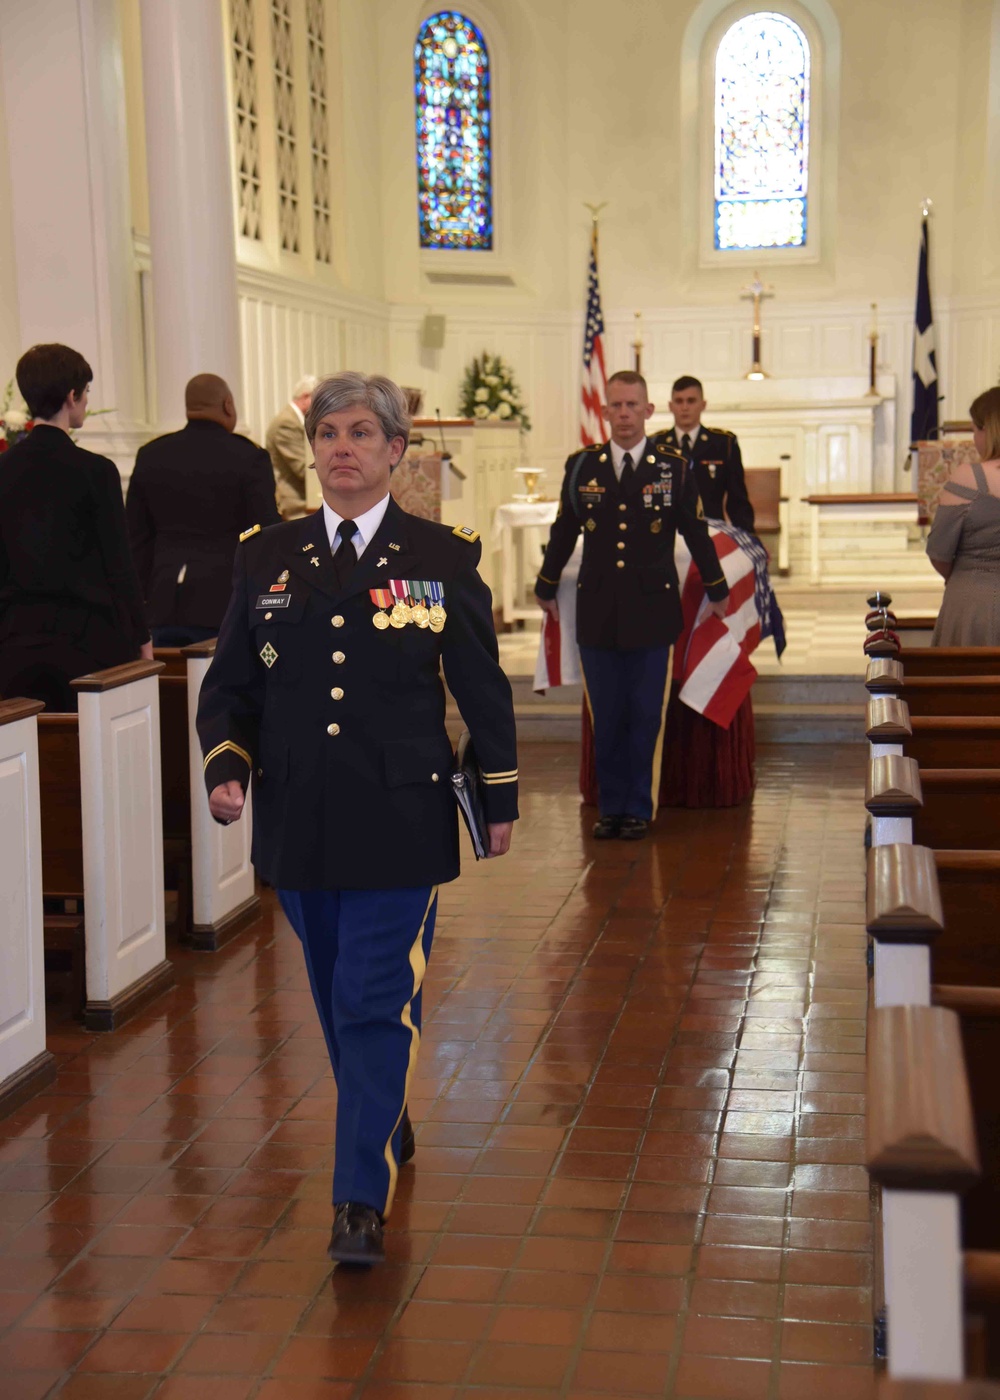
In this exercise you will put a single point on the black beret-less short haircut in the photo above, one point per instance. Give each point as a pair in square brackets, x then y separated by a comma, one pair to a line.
[628, 376]
[687, 381]
[47, 375]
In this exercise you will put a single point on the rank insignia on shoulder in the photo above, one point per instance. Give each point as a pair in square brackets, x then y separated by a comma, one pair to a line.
[467, 533]
[254, 530]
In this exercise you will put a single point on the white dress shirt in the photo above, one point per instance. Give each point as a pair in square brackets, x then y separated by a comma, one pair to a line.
[365, 525]
[692, 433]
[618, 455]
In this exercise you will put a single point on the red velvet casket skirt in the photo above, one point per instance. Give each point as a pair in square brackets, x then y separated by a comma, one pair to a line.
[703, 765]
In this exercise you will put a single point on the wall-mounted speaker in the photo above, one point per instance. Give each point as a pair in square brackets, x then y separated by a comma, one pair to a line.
[432, 333]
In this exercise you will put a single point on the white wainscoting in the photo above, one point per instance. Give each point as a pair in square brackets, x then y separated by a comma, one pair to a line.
[22, 985]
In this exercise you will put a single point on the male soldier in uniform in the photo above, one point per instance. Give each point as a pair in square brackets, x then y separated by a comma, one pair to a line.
[630, 496]
[190, 495]
[326, 691]
[714, 453]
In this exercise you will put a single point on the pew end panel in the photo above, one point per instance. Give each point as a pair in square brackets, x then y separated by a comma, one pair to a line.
[884, 676]
[968, 951]
[225, 896]
[921, 1150]
[122, 841]
[26, 1066]
[174, 768]
[892, 797]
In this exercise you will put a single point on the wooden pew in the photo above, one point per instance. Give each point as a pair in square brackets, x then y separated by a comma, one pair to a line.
[25, 1064]
[921, 1150]
[101, 831]
[174, 766]
[951, 695]
[949, 661]
[935, 741]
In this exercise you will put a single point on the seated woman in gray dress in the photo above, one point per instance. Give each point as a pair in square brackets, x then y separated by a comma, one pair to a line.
[964, 542]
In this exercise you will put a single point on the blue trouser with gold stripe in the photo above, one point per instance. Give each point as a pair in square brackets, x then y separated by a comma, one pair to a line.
[366, 953]
[627, 692]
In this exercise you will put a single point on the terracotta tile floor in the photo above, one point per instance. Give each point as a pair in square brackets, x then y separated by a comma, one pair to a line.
[640, 1102]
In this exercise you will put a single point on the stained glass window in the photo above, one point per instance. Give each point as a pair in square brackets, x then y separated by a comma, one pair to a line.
[454, 157]
[762, 134]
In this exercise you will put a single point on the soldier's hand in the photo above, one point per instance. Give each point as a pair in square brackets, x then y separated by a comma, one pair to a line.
[226, 801]
[719, 608]
[548, 605]
[146, 651]
[500, 833]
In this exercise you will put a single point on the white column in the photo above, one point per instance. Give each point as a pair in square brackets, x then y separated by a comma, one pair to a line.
[191, 229]
[64, 100]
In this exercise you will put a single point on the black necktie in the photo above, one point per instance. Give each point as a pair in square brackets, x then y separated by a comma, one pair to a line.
[345, 555]
[686, 444]
[628, 472]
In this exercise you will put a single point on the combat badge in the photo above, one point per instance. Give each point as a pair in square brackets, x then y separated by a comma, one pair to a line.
[269, 656]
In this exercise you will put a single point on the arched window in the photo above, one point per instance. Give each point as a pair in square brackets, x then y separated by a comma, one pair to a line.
[454, 156]
[762, 134]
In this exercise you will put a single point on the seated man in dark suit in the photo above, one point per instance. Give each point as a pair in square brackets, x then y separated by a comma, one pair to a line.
[191, 495]
[69, 597]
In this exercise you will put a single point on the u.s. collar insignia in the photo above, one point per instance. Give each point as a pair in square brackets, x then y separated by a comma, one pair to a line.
[269, 656]
[306, 548]
[394, 546]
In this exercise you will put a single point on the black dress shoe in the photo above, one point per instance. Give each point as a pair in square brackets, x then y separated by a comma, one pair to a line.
[357, 1235]
[632, 828]
[408, 1145]
[607, 828]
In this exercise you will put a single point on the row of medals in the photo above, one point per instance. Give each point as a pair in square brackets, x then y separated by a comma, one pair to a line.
[419, 614]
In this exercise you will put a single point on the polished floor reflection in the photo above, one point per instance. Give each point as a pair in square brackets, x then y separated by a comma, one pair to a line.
[640, 1114]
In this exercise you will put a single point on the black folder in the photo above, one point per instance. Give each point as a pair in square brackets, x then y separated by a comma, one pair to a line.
[470, 793]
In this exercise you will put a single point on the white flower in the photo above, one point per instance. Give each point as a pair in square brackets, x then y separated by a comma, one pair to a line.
[482, 394]
[481, 411]
[492, 380]
[507, 396]
[504, 411]
[494, 416]
[15, 419]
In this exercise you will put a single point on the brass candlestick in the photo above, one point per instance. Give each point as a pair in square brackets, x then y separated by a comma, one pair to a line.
[756, 292]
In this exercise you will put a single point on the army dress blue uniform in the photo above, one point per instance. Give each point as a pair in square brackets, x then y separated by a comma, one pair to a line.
[338, 719]
[628, 611]
[718, 468]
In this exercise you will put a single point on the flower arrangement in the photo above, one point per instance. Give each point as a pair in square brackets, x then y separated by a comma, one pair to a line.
[14, 421]
[490, 391]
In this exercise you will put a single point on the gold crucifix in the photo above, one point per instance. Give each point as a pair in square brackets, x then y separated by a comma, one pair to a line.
[756, 292]
[637, 343]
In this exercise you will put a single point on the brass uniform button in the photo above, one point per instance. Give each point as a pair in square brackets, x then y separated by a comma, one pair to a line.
[621, 563]
[435, 778]
[336, 693]
[267, 617]
[337, 620]
[623, 506]
[622, 525]
[621, 544]
[339, 658]
[333, 729]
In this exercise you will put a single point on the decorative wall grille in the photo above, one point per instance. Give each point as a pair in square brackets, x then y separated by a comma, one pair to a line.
[247, 124]
[284, 121]
[319, 128]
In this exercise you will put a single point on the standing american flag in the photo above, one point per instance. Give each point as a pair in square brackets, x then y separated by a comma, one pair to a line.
[594, 383]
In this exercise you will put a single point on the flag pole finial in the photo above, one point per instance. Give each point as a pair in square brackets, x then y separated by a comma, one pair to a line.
[595, 209]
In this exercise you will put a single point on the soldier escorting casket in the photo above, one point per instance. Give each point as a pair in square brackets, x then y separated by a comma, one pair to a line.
[629, 496]
[714, 454]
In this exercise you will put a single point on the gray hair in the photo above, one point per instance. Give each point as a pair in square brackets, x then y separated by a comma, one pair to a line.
[306, 385]
[349, 388]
